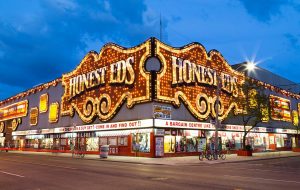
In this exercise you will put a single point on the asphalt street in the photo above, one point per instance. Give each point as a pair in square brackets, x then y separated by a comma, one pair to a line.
[39, 172]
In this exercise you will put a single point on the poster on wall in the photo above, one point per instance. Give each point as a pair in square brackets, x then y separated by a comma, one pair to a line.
[272, 139]
[162, 112]
[202, 144]
[159, 146]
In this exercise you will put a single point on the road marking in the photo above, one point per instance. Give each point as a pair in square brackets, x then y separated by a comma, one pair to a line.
[41, 164]
[11, 174]
[258, 178]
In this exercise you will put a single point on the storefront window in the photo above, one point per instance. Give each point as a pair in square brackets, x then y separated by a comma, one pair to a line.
[92, 144]
[112, 141]
[47, 143]
[122, 141]
[280, 140]
[180, 144]
[2, 139]
[103, 141]
[191, 144]
[169, 144]
[141, 142]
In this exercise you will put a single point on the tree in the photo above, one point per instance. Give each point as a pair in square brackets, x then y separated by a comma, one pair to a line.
[255, 105]
[297, 135]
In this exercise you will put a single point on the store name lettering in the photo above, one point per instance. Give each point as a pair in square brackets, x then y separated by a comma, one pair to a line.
[186, 72]
[121, 72]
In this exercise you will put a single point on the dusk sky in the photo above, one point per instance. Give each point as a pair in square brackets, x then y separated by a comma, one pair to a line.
[42, 39]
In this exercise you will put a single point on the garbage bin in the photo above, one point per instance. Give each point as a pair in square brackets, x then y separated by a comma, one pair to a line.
[104, 151]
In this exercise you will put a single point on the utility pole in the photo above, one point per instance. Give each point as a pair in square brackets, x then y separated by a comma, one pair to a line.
[219, 86]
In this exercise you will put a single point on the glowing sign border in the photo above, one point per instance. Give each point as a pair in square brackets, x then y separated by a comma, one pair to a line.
[181, 95]
[125, 96]
[25, 102]
[30, 117]
[2, 127]
[46, 96]
[57, 112]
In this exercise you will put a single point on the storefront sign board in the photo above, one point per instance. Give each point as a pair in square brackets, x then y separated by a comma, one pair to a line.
[159, 132]
[162, 112]
[191, 75]
[102, 82]
[13, 111]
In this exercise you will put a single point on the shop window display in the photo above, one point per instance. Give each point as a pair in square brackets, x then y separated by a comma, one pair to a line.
[169, 144]
[191, 144]
[141, 142]
[112, 141]
[2, 139]
[103, 141]
[180, 144]
[92, 144]
[122, 141]
[47, 143]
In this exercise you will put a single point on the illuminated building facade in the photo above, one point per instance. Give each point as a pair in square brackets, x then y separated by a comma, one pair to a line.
[151, 100]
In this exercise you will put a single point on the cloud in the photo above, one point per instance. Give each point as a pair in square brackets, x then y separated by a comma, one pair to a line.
[41, 40]
[264, 10]
[293, 40]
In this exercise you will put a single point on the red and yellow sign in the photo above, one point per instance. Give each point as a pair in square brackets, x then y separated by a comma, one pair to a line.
[280, 108]
[191, 75]
[13, 111]
[103, 82]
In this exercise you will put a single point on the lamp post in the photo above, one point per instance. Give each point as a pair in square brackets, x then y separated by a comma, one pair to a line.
[219, 86]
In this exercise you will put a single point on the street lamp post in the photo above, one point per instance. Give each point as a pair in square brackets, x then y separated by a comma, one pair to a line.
[217, 122]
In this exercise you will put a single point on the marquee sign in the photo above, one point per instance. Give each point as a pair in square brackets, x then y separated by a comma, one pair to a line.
[103, 82]
[191, 75]
[15, 110]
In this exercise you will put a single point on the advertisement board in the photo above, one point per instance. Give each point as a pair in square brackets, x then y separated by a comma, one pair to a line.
[13, 111]
[159, 146]
[191, 76]
[162, 112]
[102, 82]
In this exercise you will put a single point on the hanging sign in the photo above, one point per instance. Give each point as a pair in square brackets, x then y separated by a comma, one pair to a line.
[191, 75]
[103, 82]
[13, 111]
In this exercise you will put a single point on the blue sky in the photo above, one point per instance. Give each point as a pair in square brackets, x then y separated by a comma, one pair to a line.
[42, 39]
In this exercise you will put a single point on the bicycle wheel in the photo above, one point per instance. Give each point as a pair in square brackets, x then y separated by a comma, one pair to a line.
[201, 156]
[223, 156]
[215, 156]
[208, 156]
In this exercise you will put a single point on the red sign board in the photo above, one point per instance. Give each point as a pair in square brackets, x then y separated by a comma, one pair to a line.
[15, 110]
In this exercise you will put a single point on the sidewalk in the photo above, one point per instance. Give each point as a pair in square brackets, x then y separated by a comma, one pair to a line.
[187, 160]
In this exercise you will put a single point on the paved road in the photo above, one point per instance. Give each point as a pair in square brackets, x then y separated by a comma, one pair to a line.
[34, 172]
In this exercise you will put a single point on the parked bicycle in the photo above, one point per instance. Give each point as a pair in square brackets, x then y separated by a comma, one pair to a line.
[219, 154]
[205, 154]
[79, 152]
